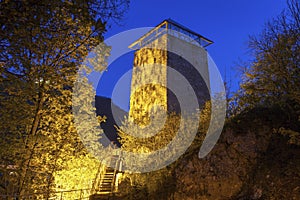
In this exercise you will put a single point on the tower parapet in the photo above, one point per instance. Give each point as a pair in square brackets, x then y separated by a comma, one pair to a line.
[167, 47]
[175, 29]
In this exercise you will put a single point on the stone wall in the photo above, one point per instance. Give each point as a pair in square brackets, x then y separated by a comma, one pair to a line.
[151, 74]
[190, 61]
[148, 77]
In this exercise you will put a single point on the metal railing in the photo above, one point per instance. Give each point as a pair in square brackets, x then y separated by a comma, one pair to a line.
[78, 194]
[175, 29]
[115, 160]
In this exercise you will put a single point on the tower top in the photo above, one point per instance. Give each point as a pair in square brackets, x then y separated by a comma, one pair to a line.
[175, 29]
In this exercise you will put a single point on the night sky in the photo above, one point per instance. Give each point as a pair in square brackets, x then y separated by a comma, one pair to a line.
[227, 23]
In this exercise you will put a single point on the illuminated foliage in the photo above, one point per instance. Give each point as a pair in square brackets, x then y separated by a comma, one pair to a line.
[273, 76]
[161, 183]
[78, 174]
[272, 80]
[42, 45]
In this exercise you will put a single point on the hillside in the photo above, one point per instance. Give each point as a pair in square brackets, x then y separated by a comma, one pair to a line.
[114, 115]
[251, 160]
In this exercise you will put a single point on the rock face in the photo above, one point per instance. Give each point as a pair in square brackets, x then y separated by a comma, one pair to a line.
[250, 161]
[222, 173]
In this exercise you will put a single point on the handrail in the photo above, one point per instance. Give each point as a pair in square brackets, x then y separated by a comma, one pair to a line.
[113, 183]
[84, 193]
[113, 161]
[57, 197]
[97, 179]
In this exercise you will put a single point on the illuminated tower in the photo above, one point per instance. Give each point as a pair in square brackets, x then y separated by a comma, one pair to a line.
[167, 45]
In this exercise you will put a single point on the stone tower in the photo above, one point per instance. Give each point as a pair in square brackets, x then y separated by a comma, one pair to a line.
[168, 45]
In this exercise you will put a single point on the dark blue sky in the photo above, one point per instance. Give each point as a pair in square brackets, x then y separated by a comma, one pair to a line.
[227, 23]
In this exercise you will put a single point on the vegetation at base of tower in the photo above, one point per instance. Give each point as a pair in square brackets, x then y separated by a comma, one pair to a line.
[257, 156]
[159, 184]
[42, 45]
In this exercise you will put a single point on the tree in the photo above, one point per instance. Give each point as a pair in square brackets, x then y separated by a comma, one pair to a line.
[273, 80]
[42, 45]
[273, 76]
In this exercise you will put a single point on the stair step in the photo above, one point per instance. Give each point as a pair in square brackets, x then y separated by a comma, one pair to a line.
[104, 192]
[105, 185]
[105, 188]
[102, 188]
[107, 181]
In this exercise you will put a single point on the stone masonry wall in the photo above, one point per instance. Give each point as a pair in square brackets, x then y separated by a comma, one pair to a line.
[150, 74]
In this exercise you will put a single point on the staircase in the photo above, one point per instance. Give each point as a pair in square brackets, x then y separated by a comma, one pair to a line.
[105, 181]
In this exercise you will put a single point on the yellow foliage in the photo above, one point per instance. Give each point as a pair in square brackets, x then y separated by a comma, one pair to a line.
[78, 174]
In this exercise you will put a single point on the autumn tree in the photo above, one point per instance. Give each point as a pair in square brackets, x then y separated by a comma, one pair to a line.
[272, 78]
[42, 44]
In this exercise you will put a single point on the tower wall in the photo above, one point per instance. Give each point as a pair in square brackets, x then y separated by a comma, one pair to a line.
[149, 72]
[188, 60]
[150, 65]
